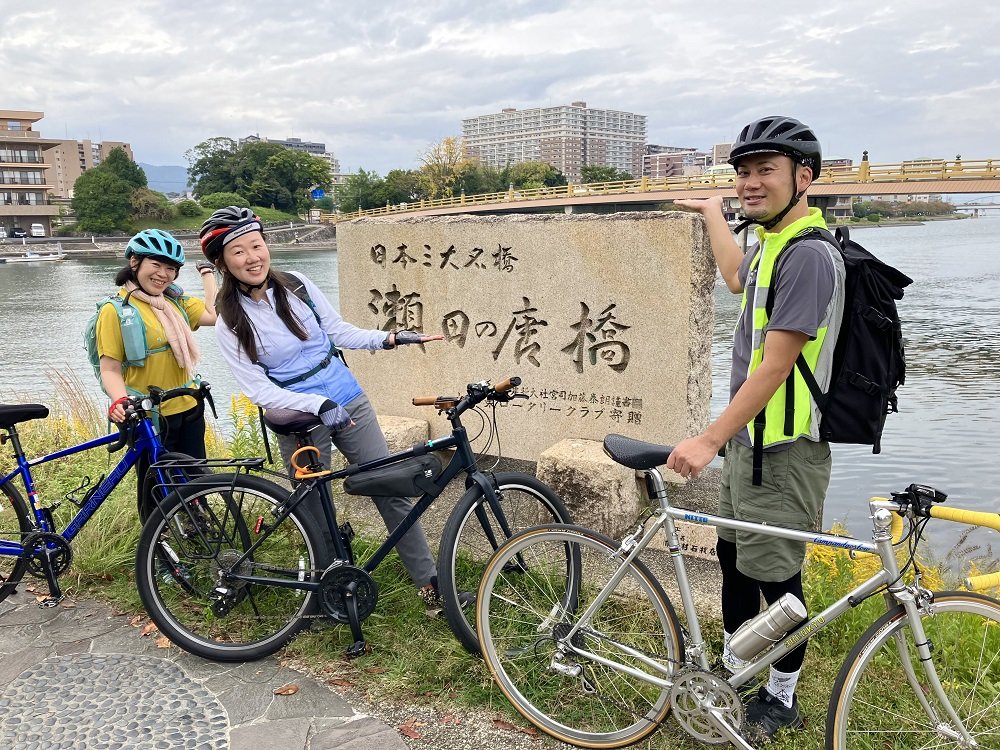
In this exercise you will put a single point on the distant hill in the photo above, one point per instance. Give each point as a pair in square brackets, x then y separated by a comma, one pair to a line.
[165, 179]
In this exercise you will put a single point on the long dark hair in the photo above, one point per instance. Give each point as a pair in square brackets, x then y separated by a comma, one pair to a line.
[235, 317]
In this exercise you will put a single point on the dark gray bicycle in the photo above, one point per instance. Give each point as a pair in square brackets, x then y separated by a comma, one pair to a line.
[247, 566]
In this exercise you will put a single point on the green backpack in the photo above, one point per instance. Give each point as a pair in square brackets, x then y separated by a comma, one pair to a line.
[133, 331]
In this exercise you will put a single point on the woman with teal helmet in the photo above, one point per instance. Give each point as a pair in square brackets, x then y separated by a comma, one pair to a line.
[167, 352]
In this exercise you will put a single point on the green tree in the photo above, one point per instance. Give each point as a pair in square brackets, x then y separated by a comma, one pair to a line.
[118, 164]
[602, 173]
[102, 201]
[325, 203]
[402, 186]
[475, 178]
[362, 190]
[295, 173]
[188, 208]
[210, 166]
[533, 174]
[214, 201]
[148, 204]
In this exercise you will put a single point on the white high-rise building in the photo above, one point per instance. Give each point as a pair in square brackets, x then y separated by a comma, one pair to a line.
[567, 137]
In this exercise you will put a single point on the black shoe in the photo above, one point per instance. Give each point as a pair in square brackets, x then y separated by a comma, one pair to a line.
[765, 715]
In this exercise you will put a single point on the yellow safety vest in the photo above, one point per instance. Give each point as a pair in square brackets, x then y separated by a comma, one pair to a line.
[784, 420]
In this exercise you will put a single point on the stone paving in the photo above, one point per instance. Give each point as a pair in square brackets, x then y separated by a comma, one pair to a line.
[79, 675]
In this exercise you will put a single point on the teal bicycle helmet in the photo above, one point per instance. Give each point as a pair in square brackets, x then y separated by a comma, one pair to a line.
[155, 243]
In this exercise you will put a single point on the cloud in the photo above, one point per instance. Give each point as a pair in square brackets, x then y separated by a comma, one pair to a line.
[379, 82]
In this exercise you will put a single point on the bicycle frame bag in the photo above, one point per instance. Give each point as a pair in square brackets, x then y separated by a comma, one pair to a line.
[410, 478]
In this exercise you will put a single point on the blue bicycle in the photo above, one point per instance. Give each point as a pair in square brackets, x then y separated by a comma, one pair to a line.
[30, 541]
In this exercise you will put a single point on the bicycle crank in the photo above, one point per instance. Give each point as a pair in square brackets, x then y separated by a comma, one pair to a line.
[700, 700]
[341, 582]
[44, 544]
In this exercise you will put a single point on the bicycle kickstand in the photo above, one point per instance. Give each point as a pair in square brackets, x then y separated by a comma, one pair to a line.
[360, 646]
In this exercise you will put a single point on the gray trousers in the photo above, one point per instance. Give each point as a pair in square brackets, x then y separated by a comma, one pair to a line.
[365, 442]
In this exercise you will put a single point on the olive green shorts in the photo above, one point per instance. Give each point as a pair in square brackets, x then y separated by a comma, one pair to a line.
[791, 494]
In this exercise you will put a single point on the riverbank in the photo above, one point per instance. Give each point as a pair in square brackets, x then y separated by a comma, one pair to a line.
[278, 239]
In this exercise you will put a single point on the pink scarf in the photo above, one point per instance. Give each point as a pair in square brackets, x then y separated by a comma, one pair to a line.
[177, 330]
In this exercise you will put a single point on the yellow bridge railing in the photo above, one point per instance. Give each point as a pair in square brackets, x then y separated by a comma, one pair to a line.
[912, 171]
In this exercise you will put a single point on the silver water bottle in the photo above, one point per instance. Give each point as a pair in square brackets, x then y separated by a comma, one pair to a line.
[767, 627]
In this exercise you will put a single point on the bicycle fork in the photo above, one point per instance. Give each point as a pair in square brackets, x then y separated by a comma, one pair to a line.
[913, 603]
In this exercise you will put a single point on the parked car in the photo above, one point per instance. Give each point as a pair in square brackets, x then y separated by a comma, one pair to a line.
[37, 230]
[17, 232]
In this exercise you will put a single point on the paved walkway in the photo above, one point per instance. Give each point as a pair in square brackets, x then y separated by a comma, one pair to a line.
[78, 675]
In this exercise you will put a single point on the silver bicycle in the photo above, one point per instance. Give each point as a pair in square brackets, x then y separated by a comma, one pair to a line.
[582, 639]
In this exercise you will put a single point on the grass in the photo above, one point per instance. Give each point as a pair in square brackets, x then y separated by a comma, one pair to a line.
[413, 658]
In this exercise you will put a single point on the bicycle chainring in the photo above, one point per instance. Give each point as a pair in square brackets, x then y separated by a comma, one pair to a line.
[693, 693]
[60, 556]
[334, 584]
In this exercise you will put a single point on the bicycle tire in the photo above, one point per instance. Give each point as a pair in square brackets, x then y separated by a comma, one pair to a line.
[208, 524]
[531, 592]
[964, 629]
[12, 569]
[465, 546]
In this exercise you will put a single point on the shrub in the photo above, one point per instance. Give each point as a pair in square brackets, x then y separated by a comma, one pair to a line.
[190, 208]
[874, 218]
[214, 201]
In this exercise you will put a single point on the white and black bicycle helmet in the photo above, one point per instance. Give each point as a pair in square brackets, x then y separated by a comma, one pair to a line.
[224, 225]
[155, 243]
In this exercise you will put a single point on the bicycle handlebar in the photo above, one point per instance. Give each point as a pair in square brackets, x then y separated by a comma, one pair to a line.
[979, 583]
[477, 392]
[970, 517]
[137, 410]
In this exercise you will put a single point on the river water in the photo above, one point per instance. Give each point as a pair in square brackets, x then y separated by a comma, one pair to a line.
[944, 435]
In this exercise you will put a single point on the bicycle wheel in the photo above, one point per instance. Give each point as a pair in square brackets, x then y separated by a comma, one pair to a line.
[473, 533]
[532, 593]
[205, 529]
[964, 630]
[15, 522]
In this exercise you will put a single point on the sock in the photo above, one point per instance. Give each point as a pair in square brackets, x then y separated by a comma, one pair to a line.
[730, 660]
[782, 685]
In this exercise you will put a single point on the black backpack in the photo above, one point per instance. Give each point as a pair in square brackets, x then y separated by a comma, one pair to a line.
[868, 363]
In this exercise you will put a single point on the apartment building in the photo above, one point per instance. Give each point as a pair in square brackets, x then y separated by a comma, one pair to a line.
[673, 161]
[70, 159]
[25, 177]
[567, 137]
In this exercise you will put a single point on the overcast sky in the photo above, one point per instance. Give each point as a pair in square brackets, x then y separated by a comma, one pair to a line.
[378, 82]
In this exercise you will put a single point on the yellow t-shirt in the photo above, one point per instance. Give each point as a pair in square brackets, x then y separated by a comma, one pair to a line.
[161, 369]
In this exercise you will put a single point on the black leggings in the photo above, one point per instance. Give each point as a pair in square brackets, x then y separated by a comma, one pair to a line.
[183, 433]
[741, 599]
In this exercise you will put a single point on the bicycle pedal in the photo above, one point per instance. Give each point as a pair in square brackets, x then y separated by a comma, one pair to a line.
[357, 649]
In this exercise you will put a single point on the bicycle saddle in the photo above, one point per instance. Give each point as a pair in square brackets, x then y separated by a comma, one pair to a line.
[290, 421]
[636, 454]
[12, 414]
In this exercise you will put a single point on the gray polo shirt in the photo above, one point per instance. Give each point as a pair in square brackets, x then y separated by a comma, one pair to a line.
[808, 295]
